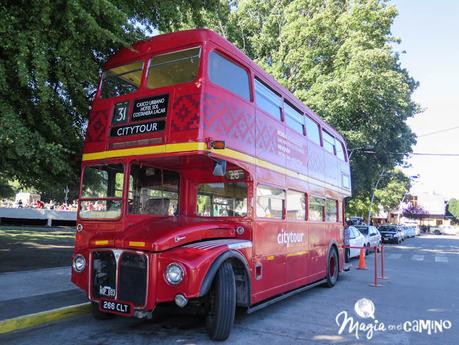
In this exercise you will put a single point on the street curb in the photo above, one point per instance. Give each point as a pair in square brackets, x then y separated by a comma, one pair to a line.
[32, 320]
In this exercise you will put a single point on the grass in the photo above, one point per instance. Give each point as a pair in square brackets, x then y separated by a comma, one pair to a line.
[25, 248]
[35, 236]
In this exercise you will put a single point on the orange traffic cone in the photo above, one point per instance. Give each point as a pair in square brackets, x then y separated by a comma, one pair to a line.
[362, 265]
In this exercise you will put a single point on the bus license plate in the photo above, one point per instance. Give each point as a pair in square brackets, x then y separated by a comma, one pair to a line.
[116, 307]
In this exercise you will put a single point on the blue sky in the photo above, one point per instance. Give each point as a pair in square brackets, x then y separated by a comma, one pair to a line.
[429, 31]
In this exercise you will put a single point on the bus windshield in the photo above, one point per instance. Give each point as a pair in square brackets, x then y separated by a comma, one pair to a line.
[102, 191]
[121, 80]
[222, 199]
[153, 191]
[173, 68]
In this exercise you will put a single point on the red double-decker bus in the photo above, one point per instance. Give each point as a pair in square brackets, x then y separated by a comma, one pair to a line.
[204, 183]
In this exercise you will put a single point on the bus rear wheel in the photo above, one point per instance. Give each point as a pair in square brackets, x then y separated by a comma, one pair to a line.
[222, 304]
[332, 268]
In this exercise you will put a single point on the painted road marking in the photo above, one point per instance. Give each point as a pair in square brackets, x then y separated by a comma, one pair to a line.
[394, 256]
[441, 259]
[417, 257]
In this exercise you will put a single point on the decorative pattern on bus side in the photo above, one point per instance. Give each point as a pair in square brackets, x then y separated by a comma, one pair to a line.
[266, 136]
[225, 119]
[97, 126]
[186, 113]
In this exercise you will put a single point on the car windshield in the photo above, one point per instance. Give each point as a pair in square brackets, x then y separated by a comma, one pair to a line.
[363, 229]
[102, 191]
[387, 228]
[222, 199]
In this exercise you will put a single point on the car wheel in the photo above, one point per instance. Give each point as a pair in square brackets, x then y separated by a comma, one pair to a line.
[332, 268]
[367, 250]
[98, 314]
[437, 232]
[222, 304]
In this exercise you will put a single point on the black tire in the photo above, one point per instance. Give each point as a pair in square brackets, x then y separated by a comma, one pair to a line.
[222, 304]
[100, 315]
[367, 251]
[332, 268]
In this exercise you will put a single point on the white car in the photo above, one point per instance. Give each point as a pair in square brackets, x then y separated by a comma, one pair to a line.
[356, 239]
[372, 236]
[444, 230]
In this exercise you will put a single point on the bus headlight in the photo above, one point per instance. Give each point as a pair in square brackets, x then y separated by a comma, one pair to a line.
[79, 263]
[174, 274]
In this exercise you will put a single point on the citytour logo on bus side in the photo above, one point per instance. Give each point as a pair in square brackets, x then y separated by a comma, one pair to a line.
[287, 238]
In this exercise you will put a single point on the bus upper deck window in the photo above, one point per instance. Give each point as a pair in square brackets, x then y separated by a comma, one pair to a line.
[174, 68]
[268, 100]
[228, 75]
[121, 80]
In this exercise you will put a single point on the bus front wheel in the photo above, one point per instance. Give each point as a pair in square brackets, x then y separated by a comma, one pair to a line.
[222, 303]
[332, 268]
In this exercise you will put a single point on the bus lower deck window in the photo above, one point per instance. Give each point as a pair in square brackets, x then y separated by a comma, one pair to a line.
[222, 199]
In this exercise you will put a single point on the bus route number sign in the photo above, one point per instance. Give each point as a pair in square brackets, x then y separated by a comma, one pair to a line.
[150, 108]
[120, 112]
[235, 174]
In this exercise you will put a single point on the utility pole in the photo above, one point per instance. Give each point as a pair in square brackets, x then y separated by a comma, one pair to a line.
[373, 195]
[66, 192]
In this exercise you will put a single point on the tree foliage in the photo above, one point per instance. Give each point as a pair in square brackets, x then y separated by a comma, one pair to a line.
[414, 211]
[453, 208]
[389, 193]
[50, 59]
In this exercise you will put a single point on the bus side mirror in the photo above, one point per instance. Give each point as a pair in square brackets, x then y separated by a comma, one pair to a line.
[219, 168]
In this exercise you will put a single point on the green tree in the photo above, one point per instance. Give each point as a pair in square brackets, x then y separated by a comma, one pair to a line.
[50, 59]
[453, 207]
[395, 189]
[390, 192]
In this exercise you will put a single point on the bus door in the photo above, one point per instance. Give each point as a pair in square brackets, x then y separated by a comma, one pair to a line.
[269, 251]
[296, 236]
[317, 236]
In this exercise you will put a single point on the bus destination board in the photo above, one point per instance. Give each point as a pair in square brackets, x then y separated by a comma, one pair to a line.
[150, 108]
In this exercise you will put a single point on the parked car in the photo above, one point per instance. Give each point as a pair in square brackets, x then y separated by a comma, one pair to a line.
[391, 233]
[410, 231]
[402, 230]
[417, 230]
[356, 239]
[444, 230]
[372, 235]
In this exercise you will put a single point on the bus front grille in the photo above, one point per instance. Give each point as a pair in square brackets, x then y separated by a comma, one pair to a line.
[103, 274]
[133, 278]
[129, 285]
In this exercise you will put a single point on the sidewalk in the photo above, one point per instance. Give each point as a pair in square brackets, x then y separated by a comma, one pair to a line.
[28, 292]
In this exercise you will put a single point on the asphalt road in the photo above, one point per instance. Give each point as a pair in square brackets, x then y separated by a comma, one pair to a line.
[423, 288]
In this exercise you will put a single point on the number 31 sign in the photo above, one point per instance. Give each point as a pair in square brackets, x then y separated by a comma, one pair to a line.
[120, 113]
